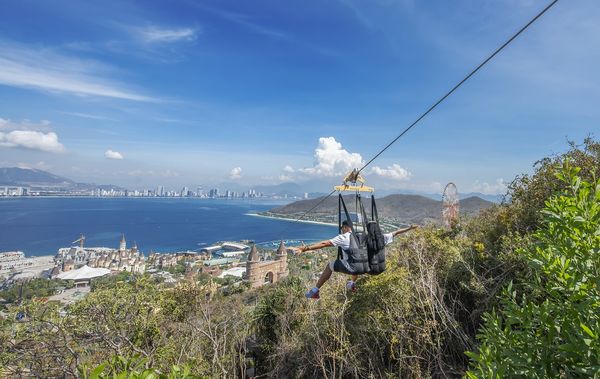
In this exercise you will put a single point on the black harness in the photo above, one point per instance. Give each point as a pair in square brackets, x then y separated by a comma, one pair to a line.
[366, 253]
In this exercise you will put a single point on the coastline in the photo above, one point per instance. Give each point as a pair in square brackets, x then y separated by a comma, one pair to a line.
[255, 199]
[292, 219]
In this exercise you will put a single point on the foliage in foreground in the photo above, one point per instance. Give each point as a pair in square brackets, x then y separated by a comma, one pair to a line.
[132, 368]
[550, 326]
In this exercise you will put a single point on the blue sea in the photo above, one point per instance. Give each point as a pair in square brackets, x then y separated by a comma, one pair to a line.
[40, 226]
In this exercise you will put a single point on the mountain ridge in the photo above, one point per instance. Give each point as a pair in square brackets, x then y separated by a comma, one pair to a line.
[17, 176]
[405, 208]
[26, 177]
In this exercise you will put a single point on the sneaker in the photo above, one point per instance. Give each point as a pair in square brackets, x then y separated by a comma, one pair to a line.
[313, 293]
[351, 286]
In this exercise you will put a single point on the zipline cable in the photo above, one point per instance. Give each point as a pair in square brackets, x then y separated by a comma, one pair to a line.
[316, 205]
[289, 226]
[460, 83]
[431, 108]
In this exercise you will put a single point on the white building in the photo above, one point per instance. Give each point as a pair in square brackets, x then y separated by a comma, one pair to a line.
[12, 261]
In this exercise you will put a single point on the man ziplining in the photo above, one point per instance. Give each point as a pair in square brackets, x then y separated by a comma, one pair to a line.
[343, 240]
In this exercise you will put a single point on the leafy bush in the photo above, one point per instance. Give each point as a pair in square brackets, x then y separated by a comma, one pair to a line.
[132, 368]
[550, 326]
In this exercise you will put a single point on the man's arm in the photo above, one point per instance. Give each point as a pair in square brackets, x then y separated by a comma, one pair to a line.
[404, 230]
[315, 246]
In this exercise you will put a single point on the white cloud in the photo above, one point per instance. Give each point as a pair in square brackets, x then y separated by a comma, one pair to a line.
[39, 165]
[285, 178]
[289, 169]
[154, 34]
[43, 125]
[51, 71]
[395, 172]
[485, 188]
[87, 115]
[332, 160]
[168, 174]
[236, 173]
[109, 154]
[150, 173]
[32, 140]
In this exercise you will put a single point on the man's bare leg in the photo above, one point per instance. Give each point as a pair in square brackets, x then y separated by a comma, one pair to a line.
[324, 276]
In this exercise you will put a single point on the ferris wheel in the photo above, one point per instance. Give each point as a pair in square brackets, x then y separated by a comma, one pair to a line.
[450, 205]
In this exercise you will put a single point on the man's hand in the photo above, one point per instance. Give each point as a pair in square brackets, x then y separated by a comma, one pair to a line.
[297, 249]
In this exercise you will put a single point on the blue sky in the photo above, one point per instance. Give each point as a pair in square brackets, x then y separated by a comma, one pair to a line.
[262, 92]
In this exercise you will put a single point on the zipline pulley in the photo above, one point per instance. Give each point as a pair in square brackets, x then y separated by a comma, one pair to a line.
[354, 182]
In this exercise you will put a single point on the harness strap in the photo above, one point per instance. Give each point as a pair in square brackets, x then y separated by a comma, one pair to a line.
[365, 218]
[374, 214]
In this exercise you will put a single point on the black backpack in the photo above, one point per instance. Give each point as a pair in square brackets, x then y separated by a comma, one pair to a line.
[374, 239]
[358, 257]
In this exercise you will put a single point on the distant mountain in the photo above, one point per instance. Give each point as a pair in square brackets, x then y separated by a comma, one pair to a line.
[493, 198]
[438, 196]
[31, 177]
[405, 208]
[14, 176]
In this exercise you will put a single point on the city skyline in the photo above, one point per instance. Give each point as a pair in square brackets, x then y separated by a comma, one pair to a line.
[267, 93]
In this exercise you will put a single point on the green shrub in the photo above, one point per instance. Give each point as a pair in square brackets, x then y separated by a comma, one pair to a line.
[120, 367]
[550, 326]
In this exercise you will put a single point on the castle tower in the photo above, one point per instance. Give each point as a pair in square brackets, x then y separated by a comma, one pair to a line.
[123, 244]
[253, 256]
[252, 264]
[281, 257]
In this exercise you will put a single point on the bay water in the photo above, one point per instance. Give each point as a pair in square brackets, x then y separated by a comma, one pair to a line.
[40, 226]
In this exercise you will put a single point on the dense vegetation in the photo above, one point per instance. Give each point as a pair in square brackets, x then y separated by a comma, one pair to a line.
[517, 287]
[34, 288]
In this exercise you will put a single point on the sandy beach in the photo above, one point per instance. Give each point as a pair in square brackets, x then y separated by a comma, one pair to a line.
[292, 219]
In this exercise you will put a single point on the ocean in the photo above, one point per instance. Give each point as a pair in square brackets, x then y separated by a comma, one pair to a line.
[40, 226]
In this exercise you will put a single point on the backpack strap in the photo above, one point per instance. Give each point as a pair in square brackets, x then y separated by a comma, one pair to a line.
[374, 214]
[365, 218]
[348, 218]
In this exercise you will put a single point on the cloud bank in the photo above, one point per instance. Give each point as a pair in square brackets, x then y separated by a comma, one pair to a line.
[29, 136]
[48, 70]
[394, 172]
[33, 140]
[331, 159]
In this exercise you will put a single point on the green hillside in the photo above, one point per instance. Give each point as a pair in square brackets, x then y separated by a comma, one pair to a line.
[407, 209]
